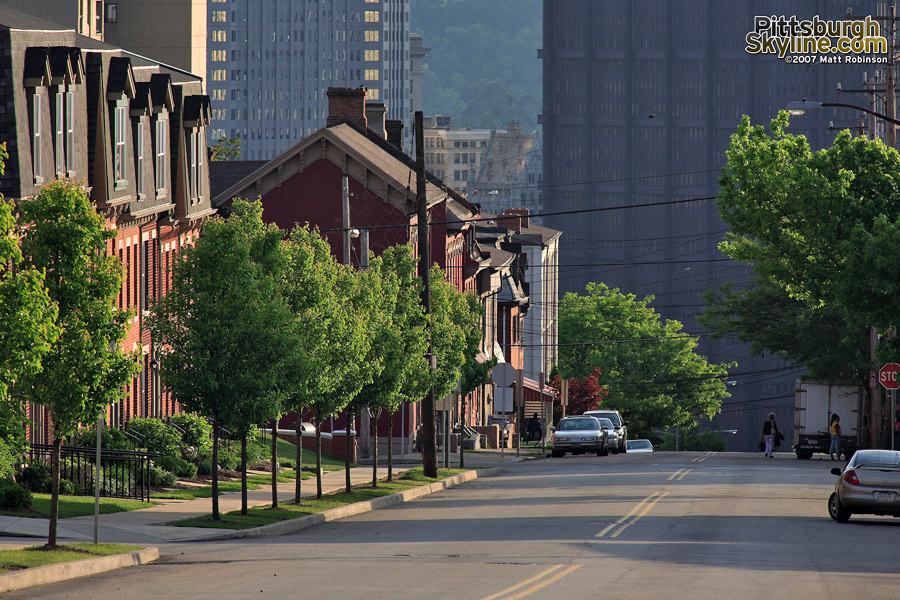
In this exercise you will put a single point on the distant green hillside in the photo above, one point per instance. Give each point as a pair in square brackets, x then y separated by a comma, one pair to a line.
[483, 68]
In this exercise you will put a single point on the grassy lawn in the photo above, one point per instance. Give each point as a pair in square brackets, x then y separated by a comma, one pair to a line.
[77, 506]
[264, 515]
[35, 556]
[287, 450]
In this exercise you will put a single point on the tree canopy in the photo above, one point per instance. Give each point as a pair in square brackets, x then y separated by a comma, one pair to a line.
[650, 367]
[821, 226]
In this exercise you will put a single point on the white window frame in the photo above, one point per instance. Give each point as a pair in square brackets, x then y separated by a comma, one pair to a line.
[60, 134]
[36, 137]
[197, 151]
[161, 146]
[139, 154]
[119, 120]
[70, 133]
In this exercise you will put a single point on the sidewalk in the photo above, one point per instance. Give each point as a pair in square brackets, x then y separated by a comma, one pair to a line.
[150, 525]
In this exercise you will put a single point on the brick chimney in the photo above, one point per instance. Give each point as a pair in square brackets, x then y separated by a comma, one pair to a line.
[375, 113]
[514, 218]
[394, 129]
[347, 104]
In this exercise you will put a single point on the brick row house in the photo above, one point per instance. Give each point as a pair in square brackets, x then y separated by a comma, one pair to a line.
[304, 185]
[133, 132]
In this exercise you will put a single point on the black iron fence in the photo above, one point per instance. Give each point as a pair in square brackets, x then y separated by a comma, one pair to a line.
[123, 473]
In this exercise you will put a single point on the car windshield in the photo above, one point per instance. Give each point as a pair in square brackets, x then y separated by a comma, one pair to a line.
[606, 423]
[578, 424]
[639, 444]
[880, 458]
[607, 415]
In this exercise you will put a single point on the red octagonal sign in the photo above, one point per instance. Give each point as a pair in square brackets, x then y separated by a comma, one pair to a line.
[888, 376]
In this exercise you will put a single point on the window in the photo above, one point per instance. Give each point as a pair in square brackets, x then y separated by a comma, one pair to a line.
[145, 259]
[372, 55]
[372, 35]
[111, 13]
[198, 148]
[119, 137]
[60, 133]
[371, 74]
[161, 145]
[70, 131]
[139, 153]
[373, 94]
[36, 136]
[373, 16]
[219, 16]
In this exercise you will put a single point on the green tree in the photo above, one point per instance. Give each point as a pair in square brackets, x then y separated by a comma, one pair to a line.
[821, 226]
[454, 318]
[220, 327]
[27, 322]
[227, 148]
[651, 369]
[85, 369]
[309, 291]
[400, 341]
[763, 315]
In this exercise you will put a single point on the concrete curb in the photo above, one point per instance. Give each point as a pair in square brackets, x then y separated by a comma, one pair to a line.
[17, 580]
[294, 525]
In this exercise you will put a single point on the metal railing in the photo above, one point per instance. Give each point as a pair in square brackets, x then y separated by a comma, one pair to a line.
[124, 473]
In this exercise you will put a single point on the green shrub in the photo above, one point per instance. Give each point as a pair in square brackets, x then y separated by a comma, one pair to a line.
[695, 439]
[286, 463]
[161, 477]
[111, 439]
[205, 467]
[195, 432]
[13, 495]
[156, 436]
[8, 459]
[36, 477]
[178, 466]
[67, 487]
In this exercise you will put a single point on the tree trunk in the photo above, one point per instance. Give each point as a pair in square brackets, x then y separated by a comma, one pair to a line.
[298, 466]
[319, 458]
[215, 470]
[244, 473]
[274, 463]
[348, 486]
[375, 451]
[390, 447]
[54, 492]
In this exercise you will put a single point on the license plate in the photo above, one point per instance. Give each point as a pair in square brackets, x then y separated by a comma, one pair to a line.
[884, 496]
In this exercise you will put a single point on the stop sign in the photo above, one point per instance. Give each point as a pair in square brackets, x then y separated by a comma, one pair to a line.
[888, 376]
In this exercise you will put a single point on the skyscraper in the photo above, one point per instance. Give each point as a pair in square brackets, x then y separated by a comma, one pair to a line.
[640, 99]
[271, 62]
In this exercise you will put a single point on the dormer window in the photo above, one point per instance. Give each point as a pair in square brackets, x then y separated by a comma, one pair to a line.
[70, 132]
[162, 142]
[119, 122]
[198, 149]
[59, 137]
[36, 137]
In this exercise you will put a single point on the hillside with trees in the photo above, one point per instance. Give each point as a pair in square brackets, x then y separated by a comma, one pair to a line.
[483, 69]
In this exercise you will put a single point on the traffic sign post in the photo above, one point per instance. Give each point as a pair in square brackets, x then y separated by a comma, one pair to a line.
[888, 376]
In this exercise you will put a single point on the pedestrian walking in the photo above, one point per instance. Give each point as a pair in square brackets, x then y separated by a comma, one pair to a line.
[834, 428]
[770, 430]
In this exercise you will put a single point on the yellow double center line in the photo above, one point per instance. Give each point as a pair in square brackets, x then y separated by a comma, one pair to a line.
[679, 474]
[540, 581]
[646, 504]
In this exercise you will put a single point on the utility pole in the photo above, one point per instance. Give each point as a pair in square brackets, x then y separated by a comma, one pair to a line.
[429, 452]
[345, 222]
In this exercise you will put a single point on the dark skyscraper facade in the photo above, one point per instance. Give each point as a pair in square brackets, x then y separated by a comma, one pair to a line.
[640, 100]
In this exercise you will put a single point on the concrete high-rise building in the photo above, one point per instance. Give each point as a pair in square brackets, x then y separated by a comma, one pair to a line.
[86, 17]
[640, 99]
[172, 32]
[271, 62]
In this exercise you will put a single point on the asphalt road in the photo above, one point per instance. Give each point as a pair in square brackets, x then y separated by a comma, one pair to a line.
[686, 525]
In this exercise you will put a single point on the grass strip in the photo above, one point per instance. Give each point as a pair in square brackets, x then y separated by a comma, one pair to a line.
[265, 515]
[36, 556]
[76, 506]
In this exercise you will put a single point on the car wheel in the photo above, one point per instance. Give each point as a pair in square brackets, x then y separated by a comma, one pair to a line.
[624, 448]
[836, 510]
[615, 449]
[557, 453]
[604, 451]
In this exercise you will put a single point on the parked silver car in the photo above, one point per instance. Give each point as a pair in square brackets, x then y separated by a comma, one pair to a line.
[619, 424]
[640, 446]
[579, 434]
[869, 484]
